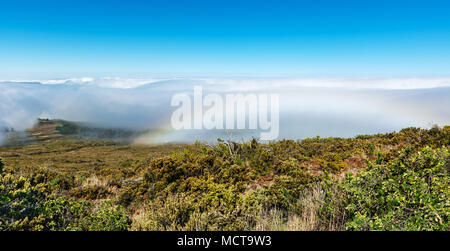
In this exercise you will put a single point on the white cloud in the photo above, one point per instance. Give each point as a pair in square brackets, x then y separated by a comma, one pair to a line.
[106, 82]
[349, 83]
[255, 84]
[309, 107]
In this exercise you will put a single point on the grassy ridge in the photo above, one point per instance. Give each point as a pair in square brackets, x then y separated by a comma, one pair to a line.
[394, 181]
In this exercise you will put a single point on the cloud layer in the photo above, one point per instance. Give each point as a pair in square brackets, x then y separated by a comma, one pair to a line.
[309, 107]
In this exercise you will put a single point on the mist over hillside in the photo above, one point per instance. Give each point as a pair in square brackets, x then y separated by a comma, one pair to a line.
[308, 107]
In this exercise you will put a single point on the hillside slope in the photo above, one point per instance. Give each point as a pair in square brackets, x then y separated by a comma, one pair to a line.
[393, 181]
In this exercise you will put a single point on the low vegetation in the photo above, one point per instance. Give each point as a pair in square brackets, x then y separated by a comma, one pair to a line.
[394, 181]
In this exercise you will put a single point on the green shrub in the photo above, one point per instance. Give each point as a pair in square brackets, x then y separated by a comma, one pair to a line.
[26, 204]
[410, 192]
[107, 217]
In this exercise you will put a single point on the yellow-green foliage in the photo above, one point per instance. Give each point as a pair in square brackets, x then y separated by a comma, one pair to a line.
[233, 186]
[34, 204]
[226, 186]
[410, 192]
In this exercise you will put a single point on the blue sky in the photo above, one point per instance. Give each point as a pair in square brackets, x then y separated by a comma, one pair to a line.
[52, 39]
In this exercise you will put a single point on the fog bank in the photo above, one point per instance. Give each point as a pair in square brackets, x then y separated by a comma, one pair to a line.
[308, 107]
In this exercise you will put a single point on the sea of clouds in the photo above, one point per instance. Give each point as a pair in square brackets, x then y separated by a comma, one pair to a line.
[308, 107]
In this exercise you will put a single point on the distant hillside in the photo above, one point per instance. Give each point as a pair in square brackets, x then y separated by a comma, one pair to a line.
[46, 129]
[83, 130]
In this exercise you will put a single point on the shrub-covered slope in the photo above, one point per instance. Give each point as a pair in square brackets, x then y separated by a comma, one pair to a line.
[394, 181]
